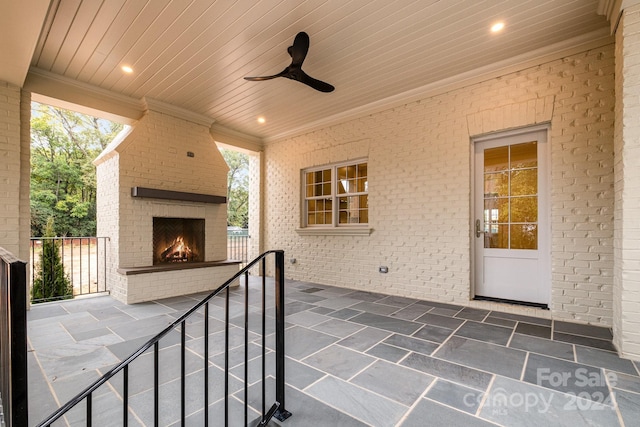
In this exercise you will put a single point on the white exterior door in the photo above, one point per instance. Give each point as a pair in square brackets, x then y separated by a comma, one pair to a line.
[511, 218]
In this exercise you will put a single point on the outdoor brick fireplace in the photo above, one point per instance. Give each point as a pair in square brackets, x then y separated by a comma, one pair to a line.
[162, 204]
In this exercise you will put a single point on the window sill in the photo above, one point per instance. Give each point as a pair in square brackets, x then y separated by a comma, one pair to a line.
[334, 231]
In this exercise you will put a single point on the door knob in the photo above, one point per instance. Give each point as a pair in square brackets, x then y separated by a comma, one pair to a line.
[479, 232]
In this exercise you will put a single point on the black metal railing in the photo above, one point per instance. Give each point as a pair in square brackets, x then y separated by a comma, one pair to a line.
[13, 339]
[83, 261]
[125, 368]
[238, 245]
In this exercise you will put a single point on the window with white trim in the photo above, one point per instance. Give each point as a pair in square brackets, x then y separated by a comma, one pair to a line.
[336, 195]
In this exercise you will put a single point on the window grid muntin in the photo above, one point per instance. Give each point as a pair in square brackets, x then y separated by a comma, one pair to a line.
[354, 213]
[318, 199]
[494, 220]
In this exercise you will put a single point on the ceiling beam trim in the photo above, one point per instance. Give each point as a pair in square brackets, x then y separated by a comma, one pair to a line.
[234, 138]
[120, 108]
[20, 25]
[175, 111]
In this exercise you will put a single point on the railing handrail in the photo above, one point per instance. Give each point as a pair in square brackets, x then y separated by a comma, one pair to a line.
[151, 342]
[8, 257]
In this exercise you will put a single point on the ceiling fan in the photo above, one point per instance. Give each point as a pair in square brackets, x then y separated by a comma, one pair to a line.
[294, 71]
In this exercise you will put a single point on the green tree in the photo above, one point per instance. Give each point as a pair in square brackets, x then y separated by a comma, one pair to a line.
[237, 188]
[63, 179]
[50, 281]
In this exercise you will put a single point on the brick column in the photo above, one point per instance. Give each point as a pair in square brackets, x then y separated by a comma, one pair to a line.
[256, 190]
[626, 292]
[15, 111]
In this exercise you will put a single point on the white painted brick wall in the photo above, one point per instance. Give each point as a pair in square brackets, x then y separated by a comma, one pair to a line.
[9, 166]
[255, 207]
[25, 175]
[154, 155]
[627, 186]
[14, 170]
[419, 179]
[108, 219]
[152, 286]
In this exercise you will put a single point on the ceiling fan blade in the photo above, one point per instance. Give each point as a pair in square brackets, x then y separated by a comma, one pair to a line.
[299, 49]
[261, 78]
[314, 83]
[298, 52]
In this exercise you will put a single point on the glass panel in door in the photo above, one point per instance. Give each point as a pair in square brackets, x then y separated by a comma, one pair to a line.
[511, 196]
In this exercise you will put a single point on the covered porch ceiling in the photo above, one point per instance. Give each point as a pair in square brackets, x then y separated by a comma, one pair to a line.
[194, 54]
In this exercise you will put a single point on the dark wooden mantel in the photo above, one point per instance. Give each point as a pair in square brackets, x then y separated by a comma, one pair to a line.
[128, 271]
[154, 193]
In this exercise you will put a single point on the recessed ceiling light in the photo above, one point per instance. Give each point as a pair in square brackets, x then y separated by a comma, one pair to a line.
[262, 120]
[127, 69]
[497, 27]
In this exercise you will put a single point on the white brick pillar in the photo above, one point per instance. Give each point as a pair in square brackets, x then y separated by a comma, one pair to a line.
[256, 190]
[626, 292]
[15, 113]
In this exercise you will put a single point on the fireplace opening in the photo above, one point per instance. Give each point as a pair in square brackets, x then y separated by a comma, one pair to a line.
[178, 240]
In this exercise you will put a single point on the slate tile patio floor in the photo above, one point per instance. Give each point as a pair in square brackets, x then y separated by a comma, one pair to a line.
[353, 358]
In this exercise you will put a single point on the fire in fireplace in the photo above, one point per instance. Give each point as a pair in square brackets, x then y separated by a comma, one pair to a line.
[178, 240]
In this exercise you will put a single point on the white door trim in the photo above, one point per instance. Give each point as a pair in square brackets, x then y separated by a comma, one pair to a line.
[544, 187]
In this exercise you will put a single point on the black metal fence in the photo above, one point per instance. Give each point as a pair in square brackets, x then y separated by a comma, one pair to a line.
[238, 245]
[13, 339]
[123, 376]
[83, 261]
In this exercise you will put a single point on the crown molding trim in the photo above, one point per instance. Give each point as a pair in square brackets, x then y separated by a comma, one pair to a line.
[175, 111]
[540, 56]
[613, 9]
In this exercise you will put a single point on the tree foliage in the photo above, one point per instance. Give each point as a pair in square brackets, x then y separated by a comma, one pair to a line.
[50, 282]
[237, 188]
[63, 179]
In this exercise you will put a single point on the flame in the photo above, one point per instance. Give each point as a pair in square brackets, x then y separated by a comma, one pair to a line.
[177, 251]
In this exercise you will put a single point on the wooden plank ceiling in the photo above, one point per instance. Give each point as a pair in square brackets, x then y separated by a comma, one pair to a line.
[195, 53]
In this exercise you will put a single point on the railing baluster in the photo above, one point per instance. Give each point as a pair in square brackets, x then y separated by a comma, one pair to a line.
[63, 269]
[281, 414]
[206, 364]
[183, 380]
[226, 359]
[80, 261]
[42, 272]
[246, 347]
[33, 260]
[89, 249]
[264, 333]
[125, 396]
[105, 262]
[97, 265]
[156, 388]
[89, 403]
[72, 258]
[44, 284]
